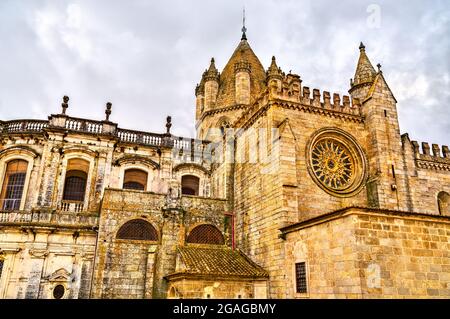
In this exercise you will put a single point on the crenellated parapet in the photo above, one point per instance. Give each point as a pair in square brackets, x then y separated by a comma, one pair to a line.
[335, 102]
[325, 104]
[434, 157]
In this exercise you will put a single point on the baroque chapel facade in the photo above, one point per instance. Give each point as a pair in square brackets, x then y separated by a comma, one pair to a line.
[285, 192]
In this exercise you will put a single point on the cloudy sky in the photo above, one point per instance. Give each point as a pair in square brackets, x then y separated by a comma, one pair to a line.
[146, 56]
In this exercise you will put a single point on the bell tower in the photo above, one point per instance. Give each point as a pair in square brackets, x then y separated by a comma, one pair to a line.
[222, 97]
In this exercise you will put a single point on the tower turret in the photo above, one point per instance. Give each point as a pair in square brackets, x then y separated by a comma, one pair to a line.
[364, 76]
[200, 99]
[274, 77]
[211, 79]
[242, 70]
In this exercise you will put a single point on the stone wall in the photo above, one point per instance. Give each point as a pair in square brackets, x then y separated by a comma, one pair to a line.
[40, 253]
[368, 253]
[206, 288]
[137, 268]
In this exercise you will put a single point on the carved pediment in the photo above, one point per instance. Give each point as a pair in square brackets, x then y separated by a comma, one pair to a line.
[60, 275]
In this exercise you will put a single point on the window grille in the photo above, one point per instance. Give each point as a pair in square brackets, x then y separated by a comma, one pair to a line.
[13, 184]
[14, 190]
[300, 277]
[134, 185]
[205, 234]
[74, 188]
[137, 229]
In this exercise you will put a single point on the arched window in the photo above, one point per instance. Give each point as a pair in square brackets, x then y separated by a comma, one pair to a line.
[190, 185]
[205, 234]
[135, 179]
[76, 178]
[13, 184]
[137, 229]
[443, 200]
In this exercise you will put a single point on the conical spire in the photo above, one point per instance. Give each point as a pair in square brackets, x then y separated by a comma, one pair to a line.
[212, 72]
[274, 70]
[365, 73]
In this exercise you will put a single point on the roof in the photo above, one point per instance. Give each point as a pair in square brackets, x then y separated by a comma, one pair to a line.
[219, 262]
[341, 212]
[379, 82]
[243, 52]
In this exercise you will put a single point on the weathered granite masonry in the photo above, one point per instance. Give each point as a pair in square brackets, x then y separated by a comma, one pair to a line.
[279, 174]
[370, 253]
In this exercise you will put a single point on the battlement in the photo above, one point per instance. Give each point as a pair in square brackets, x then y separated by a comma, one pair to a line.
[334, 102]
[430, 153]
[291, 90]
[430, 157]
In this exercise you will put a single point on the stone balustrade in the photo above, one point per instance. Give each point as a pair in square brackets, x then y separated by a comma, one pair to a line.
[48, 217]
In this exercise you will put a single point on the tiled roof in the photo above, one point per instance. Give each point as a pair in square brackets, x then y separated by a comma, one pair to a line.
[221, 261]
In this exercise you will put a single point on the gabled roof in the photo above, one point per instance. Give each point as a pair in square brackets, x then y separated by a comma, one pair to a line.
[378, 83]
[218, 262]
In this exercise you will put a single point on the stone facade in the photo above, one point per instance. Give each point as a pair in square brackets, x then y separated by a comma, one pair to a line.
[370, 253]
[287, 193]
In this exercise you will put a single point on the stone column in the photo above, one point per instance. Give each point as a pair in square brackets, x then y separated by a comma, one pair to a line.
[170, 238]
[150, 271]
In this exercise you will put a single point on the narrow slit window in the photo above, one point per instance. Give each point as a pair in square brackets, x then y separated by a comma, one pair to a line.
[300, 278]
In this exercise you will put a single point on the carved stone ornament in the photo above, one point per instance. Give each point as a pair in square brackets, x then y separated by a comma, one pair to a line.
[38, 253]
[336, 162]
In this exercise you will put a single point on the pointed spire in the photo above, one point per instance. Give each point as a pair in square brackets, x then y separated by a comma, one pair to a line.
[274, 70]
[273, 65]
[212, 72]
[365, 73]
[244, 29]
[212, 67]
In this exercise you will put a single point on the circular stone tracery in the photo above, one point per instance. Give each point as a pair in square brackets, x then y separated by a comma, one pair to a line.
[336, 162]
[332, 164]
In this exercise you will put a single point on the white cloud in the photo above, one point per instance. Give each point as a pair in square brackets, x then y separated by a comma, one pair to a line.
[146, 57]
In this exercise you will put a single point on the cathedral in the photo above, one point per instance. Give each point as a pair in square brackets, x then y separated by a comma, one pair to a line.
[285, 192]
